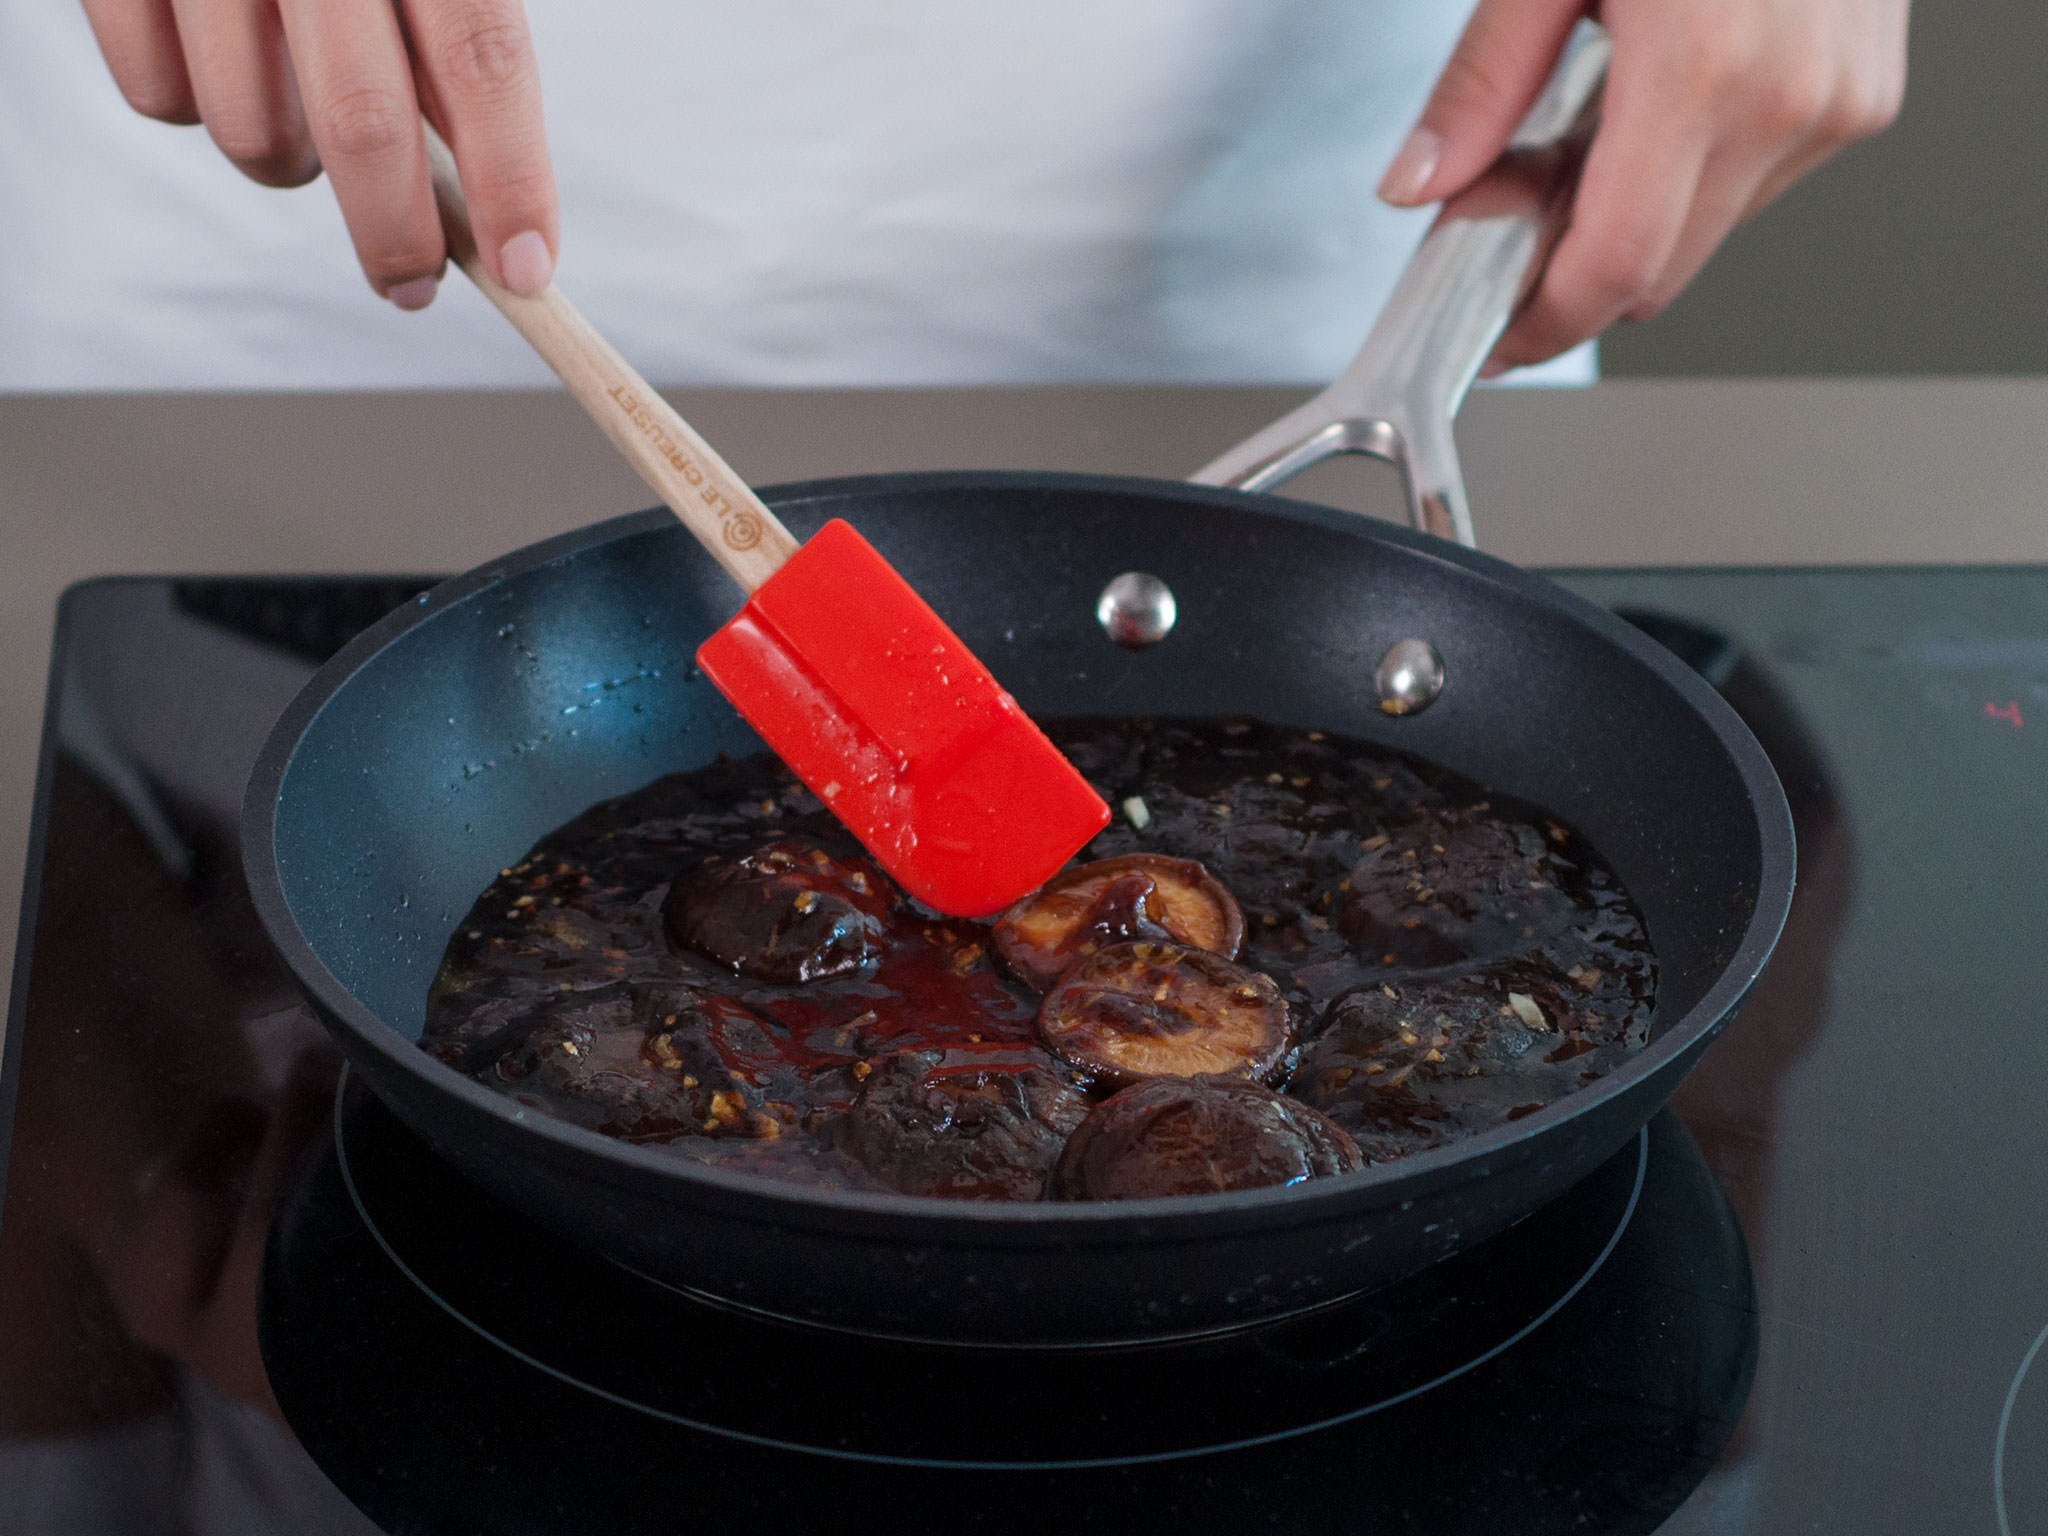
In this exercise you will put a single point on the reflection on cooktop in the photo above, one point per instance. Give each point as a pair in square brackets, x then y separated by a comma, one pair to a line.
[1583, 1368]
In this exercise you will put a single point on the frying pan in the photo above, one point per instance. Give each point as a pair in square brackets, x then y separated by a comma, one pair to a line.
[443, 742]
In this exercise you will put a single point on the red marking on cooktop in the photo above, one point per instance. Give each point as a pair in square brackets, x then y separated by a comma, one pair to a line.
[2009, 712]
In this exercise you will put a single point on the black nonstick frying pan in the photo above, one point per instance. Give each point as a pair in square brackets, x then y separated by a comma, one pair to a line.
[444, 741]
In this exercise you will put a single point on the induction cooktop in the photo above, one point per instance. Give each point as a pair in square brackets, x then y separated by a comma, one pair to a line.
[235, 1294]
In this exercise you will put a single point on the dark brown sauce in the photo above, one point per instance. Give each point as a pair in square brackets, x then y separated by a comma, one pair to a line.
[1450, 960]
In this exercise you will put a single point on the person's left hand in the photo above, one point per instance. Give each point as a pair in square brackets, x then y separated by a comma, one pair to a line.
[1713, 108]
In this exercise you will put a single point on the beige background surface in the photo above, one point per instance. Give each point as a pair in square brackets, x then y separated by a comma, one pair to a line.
[1911, 253]
[1635, 473]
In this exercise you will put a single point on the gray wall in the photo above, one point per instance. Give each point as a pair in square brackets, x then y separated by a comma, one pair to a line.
[1922, 251]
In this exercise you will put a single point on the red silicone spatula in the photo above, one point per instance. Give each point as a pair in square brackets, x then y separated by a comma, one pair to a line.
[839, 665]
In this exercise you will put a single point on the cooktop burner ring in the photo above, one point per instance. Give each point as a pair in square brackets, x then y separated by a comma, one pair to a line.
[2005, 1415]
[526, 1357]
[1031, 1346]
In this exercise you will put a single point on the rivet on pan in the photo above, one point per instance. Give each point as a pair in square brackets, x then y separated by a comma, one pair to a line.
[1136, 610]
[1410, 677]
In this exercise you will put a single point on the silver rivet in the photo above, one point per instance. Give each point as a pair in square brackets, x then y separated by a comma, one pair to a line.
[1136, 610]
[1410, 677]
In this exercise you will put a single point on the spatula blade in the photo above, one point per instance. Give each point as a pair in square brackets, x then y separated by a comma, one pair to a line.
[891, 721]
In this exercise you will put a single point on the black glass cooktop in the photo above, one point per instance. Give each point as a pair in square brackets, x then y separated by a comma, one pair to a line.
[236, 1296]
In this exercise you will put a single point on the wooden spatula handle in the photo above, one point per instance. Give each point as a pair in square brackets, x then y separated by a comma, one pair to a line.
[728, 519]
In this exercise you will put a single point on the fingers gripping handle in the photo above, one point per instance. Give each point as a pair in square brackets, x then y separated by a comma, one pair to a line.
[1397, 397]
[716, 506]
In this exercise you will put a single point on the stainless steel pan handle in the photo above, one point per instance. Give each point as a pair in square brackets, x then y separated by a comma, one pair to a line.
[1396, 399]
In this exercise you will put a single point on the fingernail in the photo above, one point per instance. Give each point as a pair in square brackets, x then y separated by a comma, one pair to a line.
[1413, 166]
[416, 294]
[526, 263]
[1491, 369]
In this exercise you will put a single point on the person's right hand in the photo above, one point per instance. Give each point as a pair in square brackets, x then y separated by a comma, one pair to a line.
[289, 87]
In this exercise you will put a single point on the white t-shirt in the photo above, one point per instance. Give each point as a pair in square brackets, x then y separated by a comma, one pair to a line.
[783, 192]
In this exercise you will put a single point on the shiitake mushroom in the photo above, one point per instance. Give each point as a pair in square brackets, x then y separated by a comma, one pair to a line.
[1149, 1009]
[649, 1064]
[1197, 1136]
[784, 913]
[961, 1125]
[1408, 1064]
[1114, 901]
[1454, 885]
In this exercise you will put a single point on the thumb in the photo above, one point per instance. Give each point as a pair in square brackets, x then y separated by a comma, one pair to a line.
[1495, 74]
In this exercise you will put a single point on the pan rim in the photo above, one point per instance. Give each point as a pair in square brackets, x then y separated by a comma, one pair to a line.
[928, 1219]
